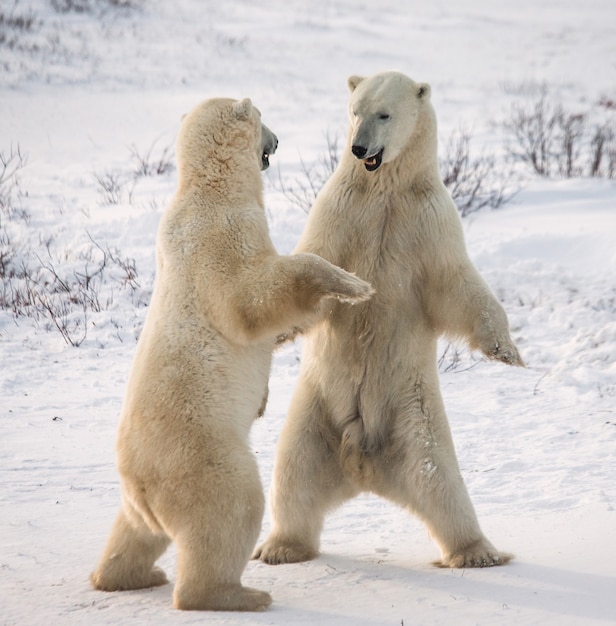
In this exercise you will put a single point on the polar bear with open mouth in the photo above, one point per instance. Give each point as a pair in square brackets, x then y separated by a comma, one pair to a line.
[367, 413]
[200, 373]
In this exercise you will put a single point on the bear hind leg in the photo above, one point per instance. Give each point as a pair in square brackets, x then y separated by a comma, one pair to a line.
[214, 544]
[308, 481]
[445, 507]
[222, 597]
[426, 479]
[210, 569]
[129, 557]
[447, 510]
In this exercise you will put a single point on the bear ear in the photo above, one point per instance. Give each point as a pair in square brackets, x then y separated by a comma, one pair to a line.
[353, 81]
[242, 109]
[423, 91]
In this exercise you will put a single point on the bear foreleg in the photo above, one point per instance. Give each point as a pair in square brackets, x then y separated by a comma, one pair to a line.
[477, 315]
[491, 336]
[284, 293]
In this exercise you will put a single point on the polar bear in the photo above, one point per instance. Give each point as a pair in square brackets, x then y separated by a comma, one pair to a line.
[222, 296]
[367, 413]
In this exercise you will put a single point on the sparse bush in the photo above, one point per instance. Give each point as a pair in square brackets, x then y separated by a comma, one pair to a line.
[603, 152]
[118, 187]
[10, 164]
[571, 133]
[113, 186]
[61, 312]
[47, 289]
[607, 103]
[553, 141]
[475, 181]
[456, 359]
[94, 6]
[14, 26]
[147, 164]
[302, 191]
[44, 44]
[66, 288]
[534, 131]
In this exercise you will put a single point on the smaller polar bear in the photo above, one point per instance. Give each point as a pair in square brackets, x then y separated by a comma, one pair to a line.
[200, 373]
[367, 414]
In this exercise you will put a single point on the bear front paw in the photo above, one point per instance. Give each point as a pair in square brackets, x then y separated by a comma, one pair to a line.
[504, 351]
[290, 335]
[352, 289]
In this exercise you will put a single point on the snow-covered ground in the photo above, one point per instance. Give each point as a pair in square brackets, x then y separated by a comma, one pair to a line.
[85, 96]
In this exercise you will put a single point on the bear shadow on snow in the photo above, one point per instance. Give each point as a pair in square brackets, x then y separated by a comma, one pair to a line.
[367, 413]
[222, 296]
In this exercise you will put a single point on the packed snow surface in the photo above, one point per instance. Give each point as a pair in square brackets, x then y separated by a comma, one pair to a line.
[88, 97]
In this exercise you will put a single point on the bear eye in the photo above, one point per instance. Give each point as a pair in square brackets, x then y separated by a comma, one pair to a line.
[383, 116]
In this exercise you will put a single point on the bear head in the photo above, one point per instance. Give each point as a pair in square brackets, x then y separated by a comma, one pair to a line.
[386, 110]
[222, 133]
[244, 110]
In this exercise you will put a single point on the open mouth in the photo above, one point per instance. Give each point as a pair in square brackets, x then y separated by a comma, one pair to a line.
[374, 162]
[265, 160]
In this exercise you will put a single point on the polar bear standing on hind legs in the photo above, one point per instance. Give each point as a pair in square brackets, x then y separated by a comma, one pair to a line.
[200, 373]
[367, 413]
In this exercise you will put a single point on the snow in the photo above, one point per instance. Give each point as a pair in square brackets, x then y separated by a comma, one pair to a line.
[82, 92]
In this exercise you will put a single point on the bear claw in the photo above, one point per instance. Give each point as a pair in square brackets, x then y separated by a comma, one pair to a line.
[475, 560]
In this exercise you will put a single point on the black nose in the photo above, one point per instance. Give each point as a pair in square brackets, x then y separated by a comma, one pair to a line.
[359, 151]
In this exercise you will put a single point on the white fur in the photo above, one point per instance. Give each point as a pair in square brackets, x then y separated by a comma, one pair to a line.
[367, 413]
[200, 372]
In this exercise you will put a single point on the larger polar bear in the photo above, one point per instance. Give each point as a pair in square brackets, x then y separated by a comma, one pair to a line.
[200, 372]
[367, 413]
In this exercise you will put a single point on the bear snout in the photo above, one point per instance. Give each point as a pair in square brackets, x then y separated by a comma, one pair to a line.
[371, 161]
[359, 151]
[269, 144]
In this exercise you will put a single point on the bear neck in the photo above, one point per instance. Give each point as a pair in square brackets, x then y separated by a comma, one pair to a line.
[238, 177]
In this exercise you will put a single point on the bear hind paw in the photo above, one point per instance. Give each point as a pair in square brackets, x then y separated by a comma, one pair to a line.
[278, 552]
[227, 597]
[476, 555]
[107, 581]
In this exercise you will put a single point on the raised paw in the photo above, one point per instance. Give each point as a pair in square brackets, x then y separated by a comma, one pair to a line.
[352, 289]
[275, 552]
[505, 351]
